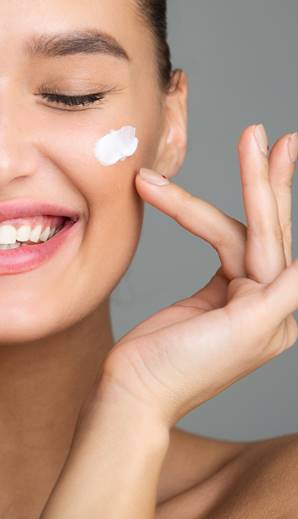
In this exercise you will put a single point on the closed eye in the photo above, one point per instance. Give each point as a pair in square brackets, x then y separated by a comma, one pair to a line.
[67, 100]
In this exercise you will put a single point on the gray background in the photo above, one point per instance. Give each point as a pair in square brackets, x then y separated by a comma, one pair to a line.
[241, 59]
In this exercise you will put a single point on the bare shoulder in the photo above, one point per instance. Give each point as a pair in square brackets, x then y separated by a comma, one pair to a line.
[191, 459]
[265, 482]
[259, 478]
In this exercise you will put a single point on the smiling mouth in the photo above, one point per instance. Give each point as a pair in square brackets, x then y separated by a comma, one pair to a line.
[29, 255]
[30, 232]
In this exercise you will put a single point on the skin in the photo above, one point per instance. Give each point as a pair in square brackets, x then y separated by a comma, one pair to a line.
[57, 331]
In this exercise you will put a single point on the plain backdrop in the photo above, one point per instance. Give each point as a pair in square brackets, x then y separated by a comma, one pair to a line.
[241, 60]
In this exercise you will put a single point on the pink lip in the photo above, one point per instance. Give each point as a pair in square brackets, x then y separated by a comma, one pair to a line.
[26, 207]
[28, 257]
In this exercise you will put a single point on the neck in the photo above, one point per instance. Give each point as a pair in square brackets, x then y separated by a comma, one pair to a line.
[42, 388]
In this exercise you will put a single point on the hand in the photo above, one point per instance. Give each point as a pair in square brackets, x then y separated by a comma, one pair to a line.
[185, 354]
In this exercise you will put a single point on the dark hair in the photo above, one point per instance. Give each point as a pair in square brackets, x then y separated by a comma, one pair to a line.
[154, 13]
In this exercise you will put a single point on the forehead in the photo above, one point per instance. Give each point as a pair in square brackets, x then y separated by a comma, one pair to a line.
[23, 22]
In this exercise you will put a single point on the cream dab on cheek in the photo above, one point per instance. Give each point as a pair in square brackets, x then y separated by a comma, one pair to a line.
[116, 145]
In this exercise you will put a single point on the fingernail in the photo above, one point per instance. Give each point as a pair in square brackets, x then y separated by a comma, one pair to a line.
[293, 146]
[262, 139]
[153, 178]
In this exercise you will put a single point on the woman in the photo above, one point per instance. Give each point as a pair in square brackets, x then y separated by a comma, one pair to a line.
[88, 99]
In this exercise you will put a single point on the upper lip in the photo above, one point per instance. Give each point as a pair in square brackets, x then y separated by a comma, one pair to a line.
[19, 208]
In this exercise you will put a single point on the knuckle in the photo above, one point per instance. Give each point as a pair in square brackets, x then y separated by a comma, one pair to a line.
[234, 236]
[226, 244]
[283, 183]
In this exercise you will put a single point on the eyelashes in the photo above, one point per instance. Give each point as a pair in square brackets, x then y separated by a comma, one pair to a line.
[54, 96]
[74, 100]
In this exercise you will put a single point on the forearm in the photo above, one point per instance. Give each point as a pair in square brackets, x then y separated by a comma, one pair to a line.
[113, 468]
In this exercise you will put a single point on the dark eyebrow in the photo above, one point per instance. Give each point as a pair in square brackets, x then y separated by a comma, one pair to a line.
[88, 41]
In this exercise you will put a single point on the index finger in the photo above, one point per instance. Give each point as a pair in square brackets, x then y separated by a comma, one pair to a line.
[226, 234]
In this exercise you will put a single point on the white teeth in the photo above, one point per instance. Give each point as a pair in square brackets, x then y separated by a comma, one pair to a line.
[52, 230]
[45, 234]
[8, 234]
[23, 233]
[10, 246]
[35, 233]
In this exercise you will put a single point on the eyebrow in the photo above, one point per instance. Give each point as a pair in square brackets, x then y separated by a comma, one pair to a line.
[88, 41]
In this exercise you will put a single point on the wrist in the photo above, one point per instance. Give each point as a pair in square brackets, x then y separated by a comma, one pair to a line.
[117, 442]
[128, 417]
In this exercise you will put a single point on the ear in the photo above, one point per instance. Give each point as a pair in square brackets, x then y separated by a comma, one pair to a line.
[173, 142]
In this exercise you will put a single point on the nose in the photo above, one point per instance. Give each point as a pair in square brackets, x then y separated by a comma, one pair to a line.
[18, 155]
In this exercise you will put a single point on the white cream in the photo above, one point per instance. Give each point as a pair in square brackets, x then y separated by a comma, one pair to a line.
[116, 145]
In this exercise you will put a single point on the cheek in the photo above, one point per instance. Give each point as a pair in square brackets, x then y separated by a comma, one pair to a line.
[108, 192]
[80, 147]
[70, 141]
[114, 210]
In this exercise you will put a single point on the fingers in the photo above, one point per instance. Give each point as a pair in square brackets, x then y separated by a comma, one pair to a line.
[265, 256]
[281, 295]
[282, 165]
[225, 234]
[260, 251]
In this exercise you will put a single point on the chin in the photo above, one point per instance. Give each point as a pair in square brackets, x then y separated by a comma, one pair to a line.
[24, 325]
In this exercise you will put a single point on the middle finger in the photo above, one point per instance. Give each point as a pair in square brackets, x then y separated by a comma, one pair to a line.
[265, 255]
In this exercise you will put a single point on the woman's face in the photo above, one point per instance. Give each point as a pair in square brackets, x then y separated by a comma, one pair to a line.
[47, 153]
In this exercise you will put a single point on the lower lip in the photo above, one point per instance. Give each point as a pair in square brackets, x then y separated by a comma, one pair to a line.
[28, 257]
